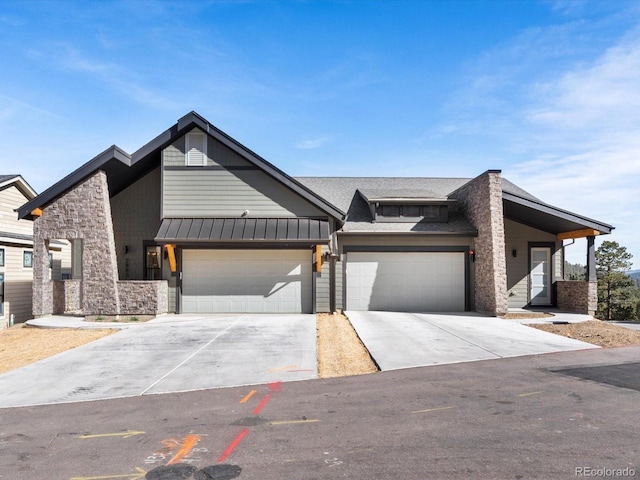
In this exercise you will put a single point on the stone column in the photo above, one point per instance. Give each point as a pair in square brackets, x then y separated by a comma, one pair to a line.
[481, 199]
[84, 212]
[42, 291]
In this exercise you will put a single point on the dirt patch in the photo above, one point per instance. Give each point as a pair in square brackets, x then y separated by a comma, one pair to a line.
[340, 351]
[21, 345]
[595, 332]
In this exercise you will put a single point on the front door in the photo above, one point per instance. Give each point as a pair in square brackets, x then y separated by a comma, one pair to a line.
[540, 276]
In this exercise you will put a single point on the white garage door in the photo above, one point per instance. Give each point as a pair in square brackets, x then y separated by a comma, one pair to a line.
[405, 282]
[246, 281]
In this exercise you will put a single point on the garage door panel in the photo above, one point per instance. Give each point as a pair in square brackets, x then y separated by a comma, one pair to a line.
[405, 281]
[228, 281]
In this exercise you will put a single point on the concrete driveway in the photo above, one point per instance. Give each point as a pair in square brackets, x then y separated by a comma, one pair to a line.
[404, 340]
[170, 354]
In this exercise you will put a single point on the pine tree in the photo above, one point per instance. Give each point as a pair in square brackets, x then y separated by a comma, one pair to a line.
[616, 290]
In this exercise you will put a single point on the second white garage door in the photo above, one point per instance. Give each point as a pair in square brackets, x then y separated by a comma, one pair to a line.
[246, 281]
[405, 282]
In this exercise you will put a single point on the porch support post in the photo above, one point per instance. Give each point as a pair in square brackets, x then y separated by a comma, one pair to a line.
[591, 259]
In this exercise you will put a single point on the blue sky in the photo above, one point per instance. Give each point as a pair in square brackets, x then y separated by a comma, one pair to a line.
[548, 92]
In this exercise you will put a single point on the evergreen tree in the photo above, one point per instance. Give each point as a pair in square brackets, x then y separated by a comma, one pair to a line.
[616, 291]
[574, 271]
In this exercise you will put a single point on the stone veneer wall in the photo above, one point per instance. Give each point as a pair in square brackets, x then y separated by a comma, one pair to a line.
[577, 296]
[83, 213]
[67, 297]
[481, 199]
[143, 297]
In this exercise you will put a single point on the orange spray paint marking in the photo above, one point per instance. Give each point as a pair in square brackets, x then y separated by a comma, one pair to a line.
[279, 369]
[190, 441]
[248, 396]
[233, 445]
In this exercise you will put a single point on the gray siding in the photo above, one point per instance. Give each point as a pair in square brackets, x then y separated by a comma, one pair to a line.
[227, 187]
[323, 300]
[517, 237]
[17, 285]
[136, 218]
[17, 279]
[404, 240]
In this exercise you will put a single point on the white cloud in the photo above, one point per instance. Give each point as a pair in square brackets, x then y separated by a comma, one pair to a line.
[561, 106]
[313, 143]
[12, 107]
[584, 142]
[116, 76]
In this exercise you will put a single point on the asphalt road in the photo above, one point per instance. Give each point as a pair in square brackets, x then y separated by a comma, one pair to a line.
[524, 417]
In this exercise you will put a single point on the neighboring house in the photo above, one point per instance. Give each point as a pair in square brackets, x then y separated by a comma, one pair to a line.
[16, 252]
[195, 222]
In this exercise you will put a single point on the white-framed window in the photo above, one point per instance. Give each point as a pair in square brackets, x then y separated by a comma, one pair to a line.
[196, 147]
[27, 259]
[1, 257]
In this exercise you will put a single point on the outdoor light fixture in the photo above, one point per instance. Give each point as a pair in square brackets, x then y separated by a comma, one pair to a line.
[472, 254]
[514, 253]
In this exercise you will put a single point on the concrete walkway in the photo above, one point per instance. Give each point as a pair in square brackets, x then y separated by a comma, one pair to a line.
[404, 340]
[169, 354]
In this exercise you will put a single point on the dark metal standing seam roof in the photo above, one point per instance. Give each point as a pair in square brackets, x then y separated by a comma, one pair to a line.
[243, 230]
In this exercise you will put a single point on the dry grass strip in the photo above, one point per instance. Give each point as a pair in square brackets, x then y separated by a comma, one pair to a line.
[595, 332]
[340, 351]
[21, 345]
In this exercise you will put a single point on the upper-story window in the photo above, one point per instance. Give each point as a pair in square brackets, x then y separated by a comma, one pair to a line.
[196, 148]
[1, 257]
[400, 213]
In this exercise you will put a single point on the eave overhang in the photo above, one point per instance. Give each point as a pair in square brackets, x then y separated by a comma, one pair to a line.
[123, 169]
[20, 183]
[548, 218]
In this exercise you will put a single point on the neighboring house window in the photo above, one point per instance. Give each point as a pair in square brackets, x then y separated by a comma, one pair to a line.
[51, 260]
[196, 146]
[153, 262]
[1, 257]
[27, 259]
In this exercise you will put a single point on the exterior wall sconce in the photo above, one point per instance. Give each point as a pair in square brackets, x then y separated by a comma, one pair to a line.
[514, 253]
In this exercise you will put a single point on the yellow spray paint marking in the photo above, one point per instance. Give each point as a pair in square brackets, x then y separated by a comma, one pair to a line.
[434, 409]
[130, 476]
[248, 396]
[292, 422]
[279, 369]
[127, 434]
[529, 394]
